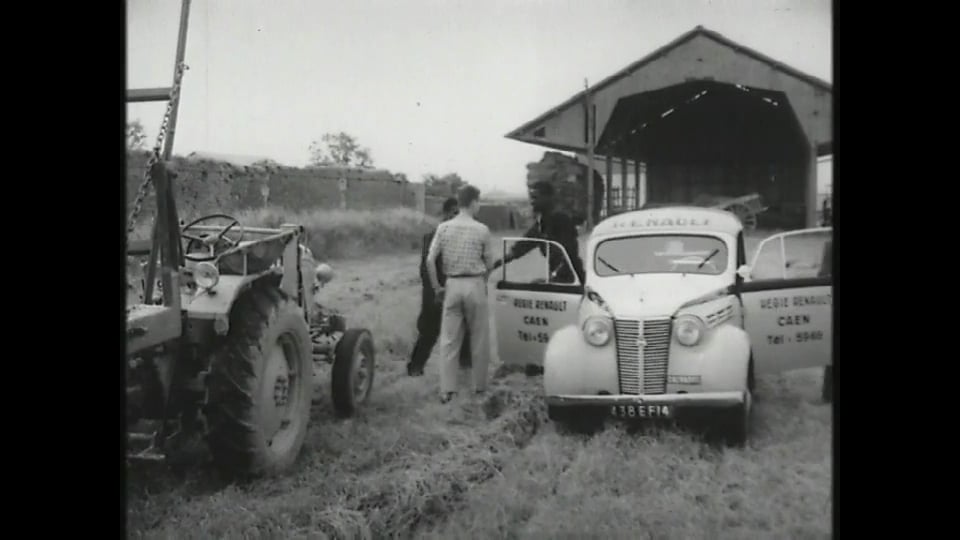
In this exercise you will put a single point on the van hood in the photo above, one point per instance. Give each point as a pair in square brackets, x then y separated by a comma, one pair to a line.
[654, 295]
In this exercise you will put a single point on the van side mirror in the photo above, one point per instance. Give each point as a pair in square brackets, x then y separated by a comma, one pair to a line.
[743, 271]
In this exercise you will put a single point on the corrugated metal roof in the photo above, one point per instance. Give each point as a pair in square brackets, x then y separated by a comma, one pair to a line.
[698, 31]
[716, 120]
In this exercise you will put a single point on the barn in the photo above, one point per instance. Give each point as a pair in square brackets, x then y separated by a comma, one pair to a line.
[701, 118]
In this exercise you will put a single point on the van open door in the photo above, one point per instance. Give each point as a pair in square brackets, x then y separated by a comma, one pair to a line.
[787, 296]
[530, 304]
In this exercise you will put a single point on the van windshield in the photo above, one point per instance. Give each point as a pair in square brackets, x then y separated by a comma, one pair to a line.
[686, 254]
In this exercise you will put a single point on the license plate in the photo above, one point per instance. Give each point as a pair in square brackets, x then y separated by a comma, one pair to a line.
[641, 411]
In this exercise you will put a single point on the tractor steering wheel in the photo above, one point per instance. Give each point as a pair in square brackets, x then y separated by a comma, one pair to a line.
[209, 240]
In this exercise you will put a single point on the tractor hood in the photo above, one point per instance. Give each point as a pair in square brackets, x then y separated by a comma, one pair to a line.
[653, 295]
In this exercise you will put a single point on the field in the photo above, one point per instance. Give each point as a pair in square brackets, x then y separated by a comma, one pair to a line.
[408, 466]
[339, 234]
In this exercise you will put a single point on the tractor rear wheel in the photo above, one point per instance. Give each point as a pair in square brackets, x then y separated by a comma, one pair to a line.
[260, 386]
[354, 364]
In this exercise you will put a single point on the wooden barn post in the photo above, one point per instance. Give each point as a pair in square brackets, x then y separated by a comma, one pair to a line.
[636, 184]
[624, 172]
[609, 160]
[590, 142]
[810, 186]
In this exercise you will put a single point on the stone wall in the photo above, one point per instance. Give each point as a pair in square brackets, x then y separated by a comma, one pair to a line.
[211, 186]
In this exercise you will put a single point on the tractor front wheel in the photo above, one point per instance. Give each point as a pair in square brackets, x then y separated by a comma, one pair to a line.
[260, 386]
[354, 364]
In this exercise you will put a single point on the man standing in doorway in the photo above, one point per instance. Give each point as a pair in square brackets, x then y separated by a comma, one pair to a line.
[551, 224]
[428, 323]
[464, 244]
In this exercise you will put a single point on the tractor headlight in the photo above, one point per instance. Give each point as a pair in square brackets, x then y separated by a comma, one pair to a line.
[689, 330]
[206, 275]
[596, 330]
[323, 274]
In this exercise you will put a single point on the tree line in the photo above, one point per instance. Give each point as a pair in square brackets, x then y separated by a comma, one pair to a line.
[332, 149]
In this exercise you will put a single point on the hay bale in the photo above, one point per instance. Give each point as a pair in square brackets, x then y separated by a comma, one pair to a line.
[569, 179]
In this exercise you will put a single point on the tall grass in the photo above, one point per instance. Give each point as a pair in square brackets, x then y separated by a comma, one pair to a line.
[340, 234]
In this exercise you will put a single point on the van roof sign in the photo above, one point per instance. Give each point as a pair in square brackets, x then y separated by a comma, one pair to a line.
[671, 217]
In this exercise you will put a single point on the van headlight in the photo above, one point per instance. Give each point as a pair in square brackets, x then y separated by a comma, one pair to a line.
[689, 330]
[596, 330]
[206, 275]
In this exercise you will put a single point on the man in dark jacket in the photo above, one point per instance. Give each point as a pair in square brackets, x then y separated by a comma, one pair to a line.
[551, 224]
[428, 323]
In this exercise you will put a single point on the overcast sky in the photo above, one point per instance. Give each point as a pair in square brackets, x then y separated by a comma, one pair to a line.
[427, 85]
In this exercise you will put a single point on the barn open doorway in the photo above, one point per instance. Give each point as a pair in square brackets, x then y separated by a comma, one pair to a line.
[706, 140]
[702, 114]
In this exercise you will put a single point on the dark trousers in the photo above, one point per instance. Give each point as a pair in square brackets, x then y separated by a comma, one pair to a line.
[428, 327]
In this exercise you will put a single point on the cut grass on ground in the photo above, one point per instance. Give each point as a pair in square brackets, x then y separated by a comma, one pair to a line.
[408, 466]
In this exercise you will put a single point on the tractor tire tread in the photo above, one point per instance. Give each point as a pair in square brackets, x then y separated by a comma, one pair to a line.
[233, 434]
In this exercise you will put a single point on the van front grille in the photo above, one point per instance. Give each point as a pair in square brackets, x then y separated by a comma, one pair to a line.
[642, 368]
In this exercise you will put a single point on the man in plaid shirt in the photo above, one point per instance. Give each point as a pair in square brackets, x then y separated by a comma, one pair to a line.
[464, 244]
[431, 312]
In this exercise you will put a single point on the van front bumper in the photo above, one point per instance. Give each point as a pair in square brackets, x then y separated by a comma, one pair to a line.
[692, 400]
[680, 407]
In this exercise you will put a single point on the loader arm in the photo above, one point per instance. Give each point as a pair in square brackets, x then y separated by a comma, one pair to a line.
[150, 325]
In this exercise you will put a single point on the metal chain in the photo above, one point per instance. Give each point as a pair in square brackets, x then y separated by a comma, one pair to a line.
[155, 155]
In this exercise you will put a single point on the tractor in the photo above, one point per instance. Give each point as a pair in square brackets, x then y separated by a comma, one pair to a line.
[221, 343]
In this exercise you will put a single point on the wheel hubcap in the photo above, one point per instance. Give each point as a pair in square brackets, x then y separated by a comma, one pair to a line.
[361, 377]
[279, 394]
[281, 391]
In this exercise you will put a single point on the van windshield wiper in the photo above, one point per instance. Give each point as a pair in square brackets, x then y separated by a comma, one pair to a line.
[710, 256]
[608, 265]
